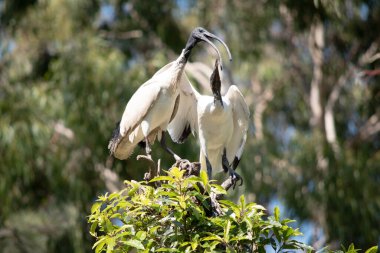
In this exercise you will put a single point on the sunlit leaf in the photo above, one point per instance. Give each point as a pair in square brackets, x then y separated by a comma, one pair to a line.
[277, 213]
[372, 250]
[161, 178]
[135, 244]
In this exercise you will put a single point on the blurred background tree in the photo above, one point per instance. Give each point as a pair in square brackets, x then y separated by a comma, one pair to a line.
[309, 70]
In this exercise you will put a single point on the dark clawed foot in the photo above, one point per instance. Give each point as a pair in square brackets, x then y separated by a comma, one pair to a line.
[190, 168]
[235, 177]
[181, 164]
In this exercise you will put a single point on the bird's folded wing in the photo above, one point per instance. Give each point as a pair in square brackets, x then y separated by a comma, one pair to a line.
[136, 110]
[139, 105]
[185, 120]
[241, 113]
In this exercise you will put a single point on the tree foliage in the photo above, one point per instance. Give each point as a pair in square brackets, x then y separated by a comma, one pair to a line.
[308, 69]
[177, 217]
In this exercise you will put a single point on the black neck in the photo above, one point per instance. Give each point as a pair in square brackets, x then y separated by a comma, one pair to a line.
[189, 46]
[216, 85]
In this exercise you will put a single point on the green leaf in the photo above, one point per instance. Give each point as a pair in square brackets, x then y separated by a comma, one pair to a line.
[99, 244]
[161, 178]
[94, 225]
[351, 249]
[109, 225]
[218, 189]
[227, 231]
[372, 250]
[134, 243]
[255, 206]
[230, 205]
[166, 193]
[212, 238]
[96, 207]
[204, 178]
[153, 230]
[194, 245]
[194, 179]
[289, 246]
[110, 244]
[166, 250]
[286, 221]
[113, 195]
[277, 213]
[182, 204]
[242, 202]
[176, 173]
[141, 235]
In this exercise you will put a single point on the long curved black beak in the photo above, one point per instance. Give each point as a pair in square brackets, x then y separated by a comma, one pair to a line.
[216, 83]
[210, 35]
[207, 35]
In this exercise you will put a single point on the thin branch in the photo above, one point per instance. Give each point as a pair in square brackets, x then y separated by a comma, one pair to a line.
[316, 45]
[370, 55]
[370, 128]
[329, 111]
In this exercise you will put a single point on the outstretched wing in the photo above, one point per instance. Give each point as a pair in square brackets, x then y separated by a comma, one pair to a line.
[240, 113]
[185, 121]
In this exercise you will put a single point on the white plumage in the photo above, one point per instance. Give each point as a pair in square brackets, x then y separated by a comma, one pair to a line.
[154, 104]
[149, 110]
[222, 129]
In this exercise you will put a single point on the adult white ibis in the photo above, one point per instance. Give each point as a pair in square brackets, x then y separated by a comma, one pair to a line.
[221, 123]
[155, 103]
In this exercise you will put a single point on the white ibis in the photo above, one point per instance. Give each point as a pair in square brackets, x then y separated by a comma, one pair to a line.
[221, 123]
[155, 104]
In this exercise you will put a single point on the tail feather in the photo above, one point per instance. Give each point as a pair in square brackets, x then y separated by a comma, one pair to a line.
[115, 139]
[120, 146]
[235, 162]
[124, 149]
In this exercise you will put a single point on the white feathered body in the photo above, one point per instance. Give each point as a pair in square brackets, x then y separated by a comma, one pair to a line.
[149, 111]
[215, 129]
[218, 127]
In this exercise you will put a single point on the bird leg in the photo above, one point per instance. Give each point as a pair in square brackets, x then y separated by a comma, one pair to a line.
[167, 149]
[235, 177]
[209, 168]
[148, 176]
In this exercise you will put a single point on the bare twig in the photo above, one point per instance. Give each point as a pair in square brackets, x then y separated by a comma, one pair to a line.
[369, 128]
[370, 55]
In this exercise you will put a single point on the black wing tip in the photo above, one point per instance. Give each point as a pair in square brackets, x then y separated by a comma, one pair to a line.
[235, 163]
[142, 144]
[186, 132]
[115, 139]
